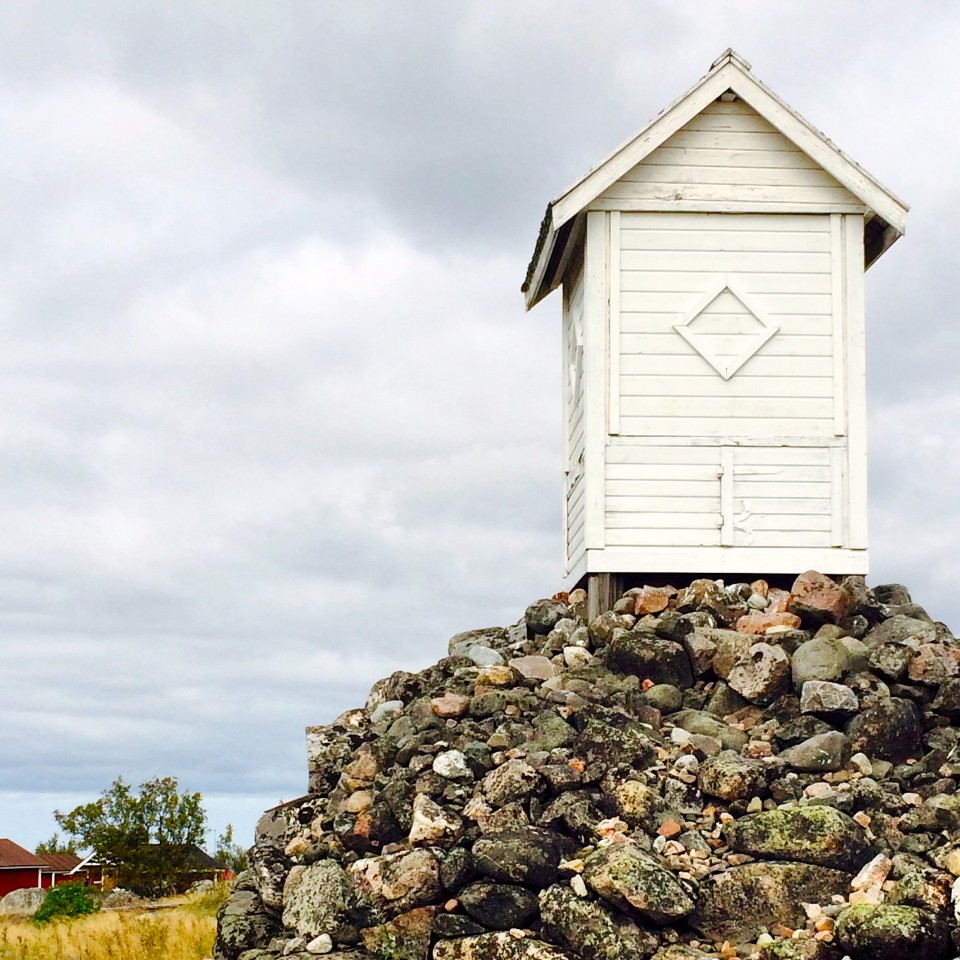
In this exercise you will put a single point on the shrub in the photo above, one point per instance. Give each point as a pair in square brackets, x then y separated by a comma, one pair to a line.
[68, 900]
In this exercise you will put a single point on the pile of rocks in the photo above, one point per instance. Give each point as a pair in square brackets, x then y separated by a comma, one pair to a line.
[714, 771]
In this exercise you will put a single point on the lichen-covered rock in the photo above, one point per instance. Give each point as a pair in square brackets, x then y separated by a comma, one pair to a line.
[729, 776]
[818, 834]
[762, 674]
[528, 856]
[649, 657]
[243, 923]
[738, 903]
[316, 899]
[508, 945]
[499, 906]
[592, 930]
[543, 615]
[628, 788]
[627, 877]
[890, 932]
[890, 730]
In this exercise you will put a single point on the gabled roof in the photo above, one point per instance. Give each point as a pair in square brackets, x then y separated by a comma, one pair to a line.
[60, 862]
[12, 855]
[886, 216]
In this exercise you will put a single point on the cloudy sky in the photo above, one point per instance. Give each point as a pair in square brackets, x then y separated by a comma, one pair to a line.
[274, 422]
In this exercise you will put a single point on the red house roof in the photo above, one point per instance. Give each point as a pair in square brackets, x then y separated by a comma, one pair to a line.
[12, 855]
[60, 862]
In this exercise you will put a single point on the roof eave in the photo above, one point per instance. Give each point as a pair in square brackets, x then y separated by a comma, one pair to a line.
[729, 72]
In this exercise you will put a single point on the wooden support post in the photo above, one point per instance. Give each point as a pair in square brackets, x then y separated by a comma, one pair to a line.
[603, 591]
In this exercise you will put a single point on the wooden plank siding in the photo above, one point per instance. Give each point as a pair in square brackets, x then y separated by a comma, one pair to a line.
[574, 486]
[668, 263]
[728, 154]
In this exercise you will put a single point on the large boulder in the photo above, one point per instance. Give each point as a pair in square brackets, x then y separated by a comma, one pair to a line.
[739, 903]
[819, 835]
[631, 879]
[24, 902]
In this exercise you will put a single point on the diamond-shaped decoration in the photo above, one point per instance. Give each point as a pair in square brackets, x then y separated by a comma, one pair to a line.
[726, 329]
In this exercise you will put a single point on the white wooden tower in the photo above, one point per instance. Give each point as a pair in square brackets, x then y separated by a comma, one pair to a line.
[713, 339]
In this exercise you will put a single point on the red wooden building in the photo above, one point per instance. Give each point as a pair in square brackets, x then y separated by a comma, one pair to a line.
[19, 868]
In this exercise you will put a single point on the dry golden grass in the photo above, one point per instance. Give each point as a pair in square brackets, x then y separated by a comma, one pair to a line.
[181, 933]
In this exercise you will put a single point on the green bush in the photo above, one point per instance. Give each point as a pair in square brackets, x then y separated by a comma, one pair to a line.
[67, 900]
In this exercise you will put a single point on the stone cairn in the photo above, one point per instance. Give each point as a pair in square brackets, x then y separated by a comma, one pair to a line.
[715, 771]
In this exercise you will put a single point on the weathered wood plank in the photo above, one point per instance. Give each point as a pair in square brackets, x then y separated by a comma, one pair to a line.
[723, 426]
[720, 261]
[664, 538]
[721, 157]
[724, 223]
[693, 365]
[685, 520]
[712, 386]
[650, 172]
[731, 408]
[657, 344]
[664, 505]
[742, 240]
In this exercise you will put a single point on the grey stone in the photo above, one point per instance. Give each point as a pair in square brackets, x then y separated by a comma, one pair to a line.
[590, 929]
[822, 658]
[629, 878]
[818, 835]
[739, 903]
[821, 696]
[482, 656]
[762, 674]
[24, 902]
[665, 697]
[731, 777]
[543, 615]
[891, 932]
[498, 906]
[484, 637]
[316, 900]
[707, 725]
[649, 657]
[387, 711]
[823, 752]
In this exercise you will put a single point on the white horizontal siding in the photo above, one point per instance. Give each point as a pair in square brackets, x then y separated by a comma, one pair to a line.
[729, 154]
[671, 496]
[662, 496]
[783, 497]
[781, 266]
[574, 423]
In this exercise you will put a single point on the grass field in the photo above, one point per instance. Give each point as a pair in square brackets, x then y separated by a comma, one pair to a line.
[183, 932]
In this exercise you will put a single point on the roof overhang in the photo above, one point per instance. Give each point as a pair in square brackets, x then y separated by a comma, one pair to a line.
[886, 214]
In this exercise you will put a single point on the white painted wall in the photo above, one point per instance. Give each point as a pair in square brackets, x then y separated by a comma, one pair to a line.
[574, 486]
[728, 154]
[728, 321]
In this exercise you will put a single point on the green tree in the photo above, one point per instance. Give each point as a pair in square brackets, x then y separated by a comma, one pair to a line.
[56, 845]
[146, 836]
[230, 853]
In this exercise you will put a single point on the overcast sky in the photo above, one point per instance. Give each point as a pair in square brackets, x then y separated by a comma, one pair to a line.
[273, 421]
